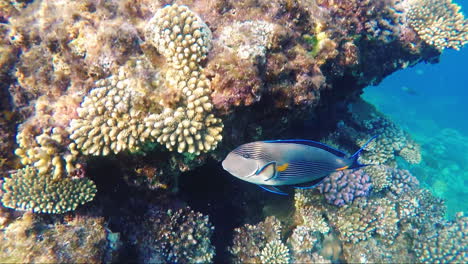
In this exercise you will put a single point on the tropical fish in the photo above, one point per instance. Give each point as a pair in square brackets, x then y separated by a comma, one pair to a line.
[409, 90]
[299, 163]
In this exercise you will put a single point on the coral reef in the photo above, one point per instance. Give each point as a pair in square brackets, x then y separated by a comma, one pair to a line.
[28, 239]
[159, 87]
[25, 190]
[446, 244]
[392, 141]
[181, 236]
[184, 40]
[343, 187]
[250, 240]
[438, 23]
[275, 252]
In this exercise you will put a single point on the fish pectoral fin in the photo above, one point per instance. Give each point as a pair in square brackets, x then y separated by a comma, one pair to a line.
[271, 163]
[272, 189]
[310, 184]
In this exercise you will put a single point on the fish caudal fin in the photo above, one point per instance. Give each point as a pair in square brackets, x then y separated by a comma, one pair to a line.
[355, 157]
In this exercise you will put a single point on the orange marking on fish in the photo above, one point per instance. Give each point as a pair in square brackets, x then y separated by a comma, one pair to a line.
[282, 167]
[342, 168]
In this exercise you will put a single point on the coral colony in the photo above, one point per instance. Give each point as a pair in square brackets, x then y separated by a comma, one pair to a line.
[160, 87]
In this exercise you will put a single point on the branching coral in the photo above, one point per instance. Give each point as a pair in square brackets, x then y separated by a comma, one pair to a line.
[343, 187]
[26, 190]
[181, 236]
[380, 176]
[312, 218]
[109, 118]
[113, 116]
[446, 245]
[364, 219]
[250, 240]
[275, 252]
[392, 141]
[184, 40]
[438, 22]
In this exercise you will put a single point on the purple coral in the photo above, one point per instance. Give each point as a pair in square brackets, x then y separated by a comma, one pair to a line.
[343, 187]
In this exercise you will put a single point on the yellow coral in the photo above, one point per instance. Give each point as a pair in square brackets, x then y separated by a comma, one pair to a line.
[24, 190]
[438, 22]
[112, 117]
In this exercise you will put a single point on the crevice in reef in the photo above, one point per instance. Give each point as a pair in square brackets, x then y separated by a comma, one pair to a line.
[229, 202]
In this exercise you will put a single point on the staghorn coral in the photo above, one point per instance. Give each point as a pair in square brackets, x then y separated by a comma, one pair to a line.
[438, 22]
[343, 187]
[250, 240]
[26, 190]
[447, 244]
[82, 240]
[275, 252]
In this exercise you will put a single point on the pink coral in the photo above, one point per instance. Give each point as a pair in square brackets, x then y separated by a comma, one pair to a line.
[343, 187]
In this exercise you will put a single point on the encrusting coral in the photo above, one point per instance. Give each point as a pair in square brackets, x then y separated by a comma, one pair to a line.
[438, 22]
[81, 240]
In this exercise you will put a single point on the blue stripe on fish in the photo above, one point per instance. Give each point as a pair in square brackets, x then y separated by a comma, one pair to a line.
[311, 143]
[272, 189]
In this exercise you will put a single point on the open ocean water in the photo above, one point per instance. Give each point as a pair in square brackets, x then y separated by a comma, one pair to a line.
[109, 144]
[430, 102]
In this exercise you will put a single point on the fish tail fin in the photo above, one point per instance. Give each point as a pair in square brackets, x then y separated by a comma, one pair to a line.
[355, 164]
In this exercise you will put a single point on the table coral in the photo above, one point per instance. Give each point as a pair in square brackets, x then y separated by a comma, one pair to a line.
[438, 22]
[26, 190]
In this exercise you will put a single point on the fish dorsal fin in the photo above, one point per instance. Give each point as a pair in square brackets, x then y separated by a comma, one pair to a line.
[311, 143]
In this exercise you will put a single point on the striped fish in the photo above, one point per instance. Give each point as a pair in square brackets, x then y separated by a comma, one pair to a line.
[299, 163]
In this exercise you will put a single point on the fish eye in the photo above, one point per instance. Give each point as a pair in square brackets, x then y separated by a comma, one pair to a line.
[246, 155]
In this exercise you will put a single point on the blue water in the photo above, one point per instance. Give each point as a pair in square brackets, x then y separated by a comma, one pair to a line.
[430, 101]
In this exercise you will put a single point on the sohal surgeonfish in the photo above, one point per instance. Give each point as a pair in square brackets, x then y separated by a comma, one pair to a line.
[296, 162]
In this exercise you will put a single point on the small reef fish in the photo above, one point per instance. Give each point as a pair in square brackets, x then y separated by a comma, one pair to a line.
[409, 91]
[299, 163]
